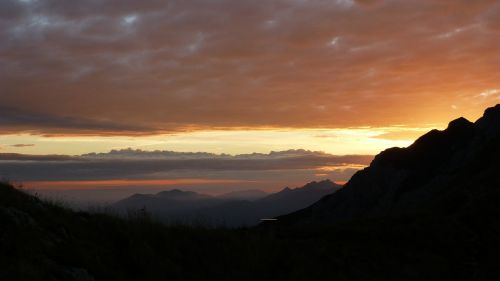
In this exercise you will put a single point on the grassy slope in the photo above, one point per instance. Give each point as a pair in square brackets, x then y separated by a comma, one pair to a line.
[42, 241]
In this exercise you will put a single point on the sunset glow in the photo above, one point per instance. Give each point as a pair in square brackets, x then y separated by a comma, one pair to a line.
[337, 141]
[249, 140]
[342, 77]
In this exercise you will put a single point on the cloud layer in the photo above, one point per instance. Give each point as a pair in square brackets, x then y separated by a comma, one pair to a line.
[120, 173]
[142, 67]
[141, 165]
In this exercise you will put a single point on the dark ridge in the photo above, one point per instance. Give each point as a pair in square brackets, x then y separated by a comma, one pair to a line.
[321, 184]
[491, 114]
[490, 122]
[415, 179]
[429, 149]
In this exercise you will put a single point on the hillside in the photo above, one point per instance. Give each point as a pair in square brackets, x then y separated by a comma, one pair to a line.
[42, 241]
[454, 171]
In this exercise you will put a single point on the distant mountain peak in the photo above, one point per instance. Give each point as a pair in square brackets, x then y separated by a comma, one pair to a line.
[314, 185]
[320, 184]
[174, 192]
[180, 194]
[140, 195]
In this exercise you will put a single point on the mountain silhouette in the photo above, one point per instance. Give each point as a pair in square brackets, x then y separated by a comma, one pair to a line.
[426, 212]
[244, 208]
[296, 198]
[443, 172]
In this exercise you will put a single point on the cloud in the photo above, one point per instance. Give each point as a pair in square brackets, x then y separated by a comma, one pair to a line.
[122, 67]
[490, 93]
[14, 120]
[119, 173]
[368, 2]
[27, 157]
[139, 165]
[21, 145]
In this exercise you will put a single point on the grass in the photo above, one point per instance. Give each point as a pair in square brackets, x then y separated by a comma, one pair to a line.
[42, 240]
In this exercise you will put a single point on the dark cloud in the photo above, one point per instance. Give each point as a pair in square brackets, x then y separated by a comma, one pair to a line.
[27, 157]
[135, 164]
[369, 2]
[120, 173]
[13, 120]
[125, 67]
[21, 145]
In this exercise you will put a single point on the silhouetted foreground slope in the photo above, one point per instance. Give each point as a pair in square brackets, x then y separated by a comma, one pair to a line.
[41, 241]
[450, 172]
[185, 207]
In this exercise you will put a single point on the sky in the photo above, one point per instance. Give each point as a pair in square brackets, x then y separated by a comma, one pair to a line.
[341, 77]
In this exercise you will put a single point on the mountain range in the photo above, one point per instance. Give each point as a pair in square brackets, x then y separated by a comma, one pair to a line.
[241, 208]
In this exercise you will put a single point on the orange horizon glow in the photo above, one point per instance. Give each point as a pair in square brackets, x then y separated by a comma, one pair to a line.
[341, 141]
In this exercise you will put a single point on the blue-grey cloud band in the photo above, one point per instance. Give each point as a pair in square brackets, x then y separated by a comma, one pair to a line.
[135, 164]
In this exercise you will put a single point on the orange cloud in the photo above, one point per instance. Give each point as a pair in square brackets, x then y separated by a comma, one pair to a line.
[144, 67]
